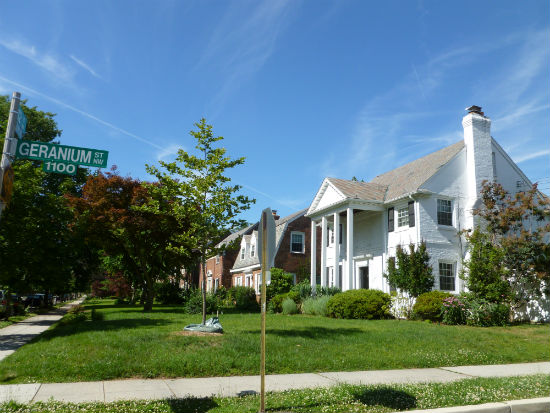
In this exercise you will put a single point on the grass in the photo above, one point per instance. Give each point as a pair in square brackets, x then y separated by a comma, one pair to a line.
[372, 399]
[130, 344]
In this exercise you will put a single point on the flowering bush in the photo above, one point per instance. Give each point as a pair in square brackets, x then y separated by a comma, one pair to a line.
[453, 311]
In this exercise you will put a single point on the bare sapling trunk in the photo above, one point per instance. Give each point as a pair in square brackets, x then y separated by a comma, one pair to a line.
[203, 286]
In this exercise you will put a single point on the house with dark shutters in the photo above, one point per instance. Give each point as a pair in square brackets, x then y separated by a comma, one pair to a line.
[430, 199]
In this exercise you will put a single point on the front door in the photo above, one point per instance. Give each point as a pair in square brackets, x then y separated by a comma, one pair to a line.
[364, 272]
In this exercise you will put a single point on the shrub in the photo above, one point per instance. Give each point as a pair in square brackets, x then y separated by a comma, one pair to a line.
[328, 291]
[243, 298]
[315, 305]
[276, 303]
[364, 304]
[281, 282]
[168, 293]
[401, 305]
[194, 303]
[289, 306]
[483, 313]
[303, 289]
[428, 306]
[454, 311]
[411, 271]
[120, 301]
[74, 315]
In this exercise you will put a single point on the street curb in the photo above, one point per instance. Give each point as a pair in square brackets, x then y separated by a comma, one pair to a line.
[538, 405]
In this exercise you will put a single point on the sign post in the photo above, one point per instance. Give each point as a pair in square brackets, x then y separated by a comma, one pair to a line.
[9, 149]
[266, 238]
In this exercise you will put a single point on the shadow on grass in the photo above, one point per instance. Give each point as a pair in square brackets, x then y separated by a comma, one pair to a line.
[106, 325]
[201, 405]
[385, 396]
[310, 332]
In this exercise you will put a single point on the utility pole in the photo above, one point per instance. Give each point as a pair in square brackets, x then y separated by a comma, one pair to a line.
[9, 143]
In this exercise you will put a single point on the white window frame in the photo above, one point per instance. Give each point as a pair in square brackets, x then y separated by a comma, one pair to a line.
[216, 284]
[243, 252]
[252, 250]
[303, 235]
[402, 219]
[217, 258]
[453, 218]
[453, 270]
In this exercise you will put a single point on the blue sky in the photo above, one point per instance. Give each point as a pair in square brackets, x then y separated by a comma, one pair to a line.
[302, 89]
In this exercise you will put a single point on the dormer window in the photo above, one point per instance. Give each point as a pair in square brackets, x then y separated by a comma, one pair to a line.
[243, 251]
[252, 250]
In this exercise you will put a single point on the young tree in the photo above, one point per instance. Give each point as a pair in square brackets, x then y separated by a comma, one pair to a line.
[410, 271]
[517, 228]
[201, 193]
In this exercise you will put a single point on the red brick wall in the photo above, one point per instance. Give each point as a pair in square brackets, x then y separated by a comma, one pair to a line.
[221, 270]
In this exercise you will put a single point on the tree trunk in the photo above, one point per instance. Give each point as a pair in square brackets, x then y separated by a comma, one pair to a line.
[203, 290]
[149, 293]
[133, 297]
[142, 297]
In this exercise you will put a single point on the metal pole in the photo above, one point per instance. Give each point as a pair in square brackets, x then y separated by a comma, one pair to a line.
[9, 141]
[262, 301]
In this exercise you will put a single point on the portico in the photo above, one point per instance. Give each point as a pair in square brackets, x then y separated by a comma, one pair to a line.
[336, 219]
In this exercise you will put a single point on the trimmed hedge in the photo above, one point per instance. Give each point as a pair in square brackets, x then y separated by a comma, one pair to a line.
[363, 304]
[428, 306]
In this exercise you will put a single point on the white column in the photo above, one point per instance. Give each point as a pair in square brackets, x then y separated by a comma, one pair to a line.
[313, 270]
[324, 252]
[349, 257]
[337, 250]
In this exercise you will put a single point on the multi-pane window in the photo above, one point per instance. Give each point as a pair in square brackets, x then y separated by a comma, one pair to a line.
[297, 242]
[446, 276]
[444, 212]
[217, 259]
[403, 217]
[242, 253]
[252, 250]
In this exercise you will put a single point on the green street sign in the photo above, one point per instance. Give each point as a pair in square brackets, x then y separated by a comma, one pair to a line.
[41, 151]
[59, 167]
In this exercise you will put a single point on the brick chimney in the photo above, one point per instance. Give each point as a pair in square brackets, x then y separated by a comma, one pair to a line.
[479, 152]
[275, 216]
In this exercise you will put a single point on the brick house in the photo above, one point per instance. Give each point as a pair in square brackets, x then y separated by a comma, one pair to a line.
[293, 249]
[218, 268]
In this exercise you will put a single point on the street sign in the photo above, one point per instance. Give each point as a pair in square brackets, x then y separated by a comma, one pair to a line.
[267, 226]
[42, 151]
[21, 125]
[266, 254]
[65, 168]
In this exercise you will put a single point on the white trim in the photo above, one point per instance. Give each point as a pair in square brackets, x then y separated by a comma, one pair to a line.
[303, 235]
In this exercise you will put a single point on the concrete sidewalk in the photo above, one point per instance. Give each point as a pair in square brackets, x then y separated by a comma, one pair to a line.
[108, 391]
[14, 336]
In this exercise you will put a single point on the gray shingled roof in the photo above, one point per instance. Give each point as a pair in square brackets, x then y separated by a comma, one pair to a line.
[280, 228]
[400, 181]
[232, 237]
[362, 190]
[408, 178]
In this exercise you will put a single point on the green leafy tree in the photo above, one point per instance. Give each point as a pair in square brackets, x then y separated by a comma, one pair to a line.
[281, 282]
[517, 229]
[410, 271]
[40, 248]
[196, 188]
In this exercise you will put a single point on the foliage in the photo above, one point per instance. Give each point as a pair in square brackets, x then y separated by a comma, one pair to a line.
[401, 305]
[303, 288]
[329, 291]
[483, 313]
[517, 228]
[428, 306]
[364, 304]
[169, 293]
[289, 306]
[454, 311]
[37, 224]
[281, 282]
[410, 271]
[195, 190]
[276, 303]
[485, 272]
[74, 315]
[315, 305]
[133, 240]
[243, 298]
[194, 304]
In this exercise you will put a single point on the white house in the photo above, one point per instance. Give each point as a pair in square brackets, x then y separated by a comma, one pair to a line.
[429, 199]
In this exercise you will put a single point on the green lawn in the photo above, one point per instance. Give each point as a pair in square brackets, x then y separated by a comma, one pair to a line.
[129, 343]
[366, 399]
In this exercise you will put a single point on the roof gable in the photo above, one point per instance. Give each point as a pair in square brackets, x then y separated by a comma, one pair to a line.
[327, 195]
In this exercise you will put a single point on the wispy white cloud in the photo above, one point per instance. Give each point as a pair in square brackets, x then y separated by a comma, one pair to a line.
[168, 151]
[240, 47]
[48, 62]
[83, 113]
[532, 155]
[85, 66]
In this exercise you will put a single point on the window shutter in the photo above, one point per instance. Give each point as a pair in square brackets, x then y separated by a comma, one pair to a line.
[411, 214]
[340, 229]
[390, 219]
